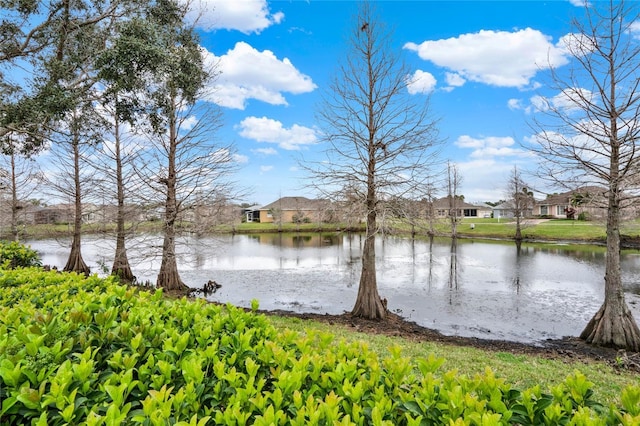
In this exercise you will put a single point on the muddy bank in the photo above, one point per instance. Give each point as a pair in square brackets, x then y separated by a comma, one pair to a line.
[569, 349]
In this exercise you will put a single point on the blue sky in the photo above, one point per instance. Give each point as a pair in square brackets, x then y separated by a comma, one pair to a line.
[483, 63]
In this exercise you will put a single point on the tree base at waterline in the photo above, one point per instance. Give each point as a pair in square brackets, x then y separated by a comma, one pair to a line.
[372, 308]
[76, 264]
[170, 280]
[121, 267]
[124, 274]
[613, 329]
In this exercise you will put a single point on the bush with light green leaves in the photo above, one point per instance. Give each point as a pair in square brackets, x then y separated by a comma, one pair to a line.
[88, 351]
[14, 254]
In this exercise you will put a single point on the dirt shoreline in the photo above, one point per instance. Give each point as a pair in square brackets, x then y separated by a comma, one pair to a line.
[567, 349]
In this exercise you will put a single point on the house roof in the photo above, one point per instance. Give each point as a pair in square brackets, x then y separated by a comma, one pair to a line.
[507, 205]
[443, 203]
[565, 197]
[294, 203]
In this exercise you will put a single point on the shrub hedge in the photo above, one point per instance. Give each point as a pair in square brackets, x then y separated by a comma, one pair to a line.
[16, 255]
[88, 351]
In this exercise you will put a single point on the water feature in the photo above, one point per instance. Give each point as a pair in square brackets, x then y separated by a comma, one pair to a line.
[474, 288]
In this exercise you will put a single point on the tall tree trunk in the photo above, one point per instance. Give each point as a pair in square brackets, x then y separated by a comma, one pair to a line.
[121, 267]
[613, 325]
[168, 277]
[14, 198]
[75, 262]
[368, 302]
[518, 236]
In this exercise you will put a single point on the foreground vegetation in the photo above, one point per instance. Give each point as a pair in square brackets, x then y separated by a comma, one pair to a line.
[76, 350]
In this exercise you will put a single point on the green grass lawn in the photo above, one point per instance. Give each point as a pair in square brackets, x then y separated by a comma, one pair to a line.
[566, 229]
[521, 370]
[552, 230]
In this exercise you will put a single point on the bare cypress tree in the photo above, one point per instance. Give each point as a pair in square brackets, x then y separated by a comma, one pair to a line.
[115, 162]
[72, 176]
[521, 200]
[379, 137]
[70, 73]
[186, 167]
[590, 137]
[121, 267]
[20, 176]
[454, 180]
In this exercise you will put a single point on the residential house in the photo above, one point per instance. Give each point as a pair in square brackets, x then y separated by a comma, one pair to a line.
[508, 210]
[251, 213]
[588, 200]
[442, 208]
[294, 210]
[56, 214]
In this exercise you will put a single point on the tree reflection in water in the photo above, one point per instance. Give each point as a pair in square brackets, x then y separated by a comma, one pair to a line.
[453, 270]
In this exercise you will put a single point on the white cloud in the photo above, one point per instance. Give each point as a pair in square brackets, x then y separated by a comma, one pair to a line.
[483, 179]
[221, 155]
[514, 104]
[246, 73]
[490, 147]
[579, 3]
[272, 131]
[635, 29]
[240, 159]
[247, 16]
[572, 99]
[265, 151]
[421, 82]
[497, 58]
[188, 123]
[568, 100]
[265, 169]
[580, 145]
[454, 79]
[576, 44]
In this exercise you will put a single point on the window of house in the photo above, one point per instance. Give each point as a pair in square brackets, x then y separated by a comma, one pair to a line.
[561, 210]
[470, 212]
[544, 210]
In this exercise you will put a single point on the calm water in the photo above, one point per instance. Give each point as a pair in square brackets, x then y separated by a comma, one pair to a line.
[476, 288]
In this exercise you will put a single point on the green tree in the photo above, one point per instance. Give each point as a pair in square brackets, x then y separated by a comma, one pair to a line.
[132, 55]
[35, 37]
[157, 75]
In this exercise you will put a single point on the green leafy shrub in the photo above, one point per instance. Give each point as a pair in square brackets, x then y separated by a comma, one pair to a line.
[16, 255]
[85, 350]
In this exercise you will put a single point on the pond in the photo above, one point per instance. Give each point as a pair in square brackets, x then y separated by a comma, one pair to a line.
[475, 288]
